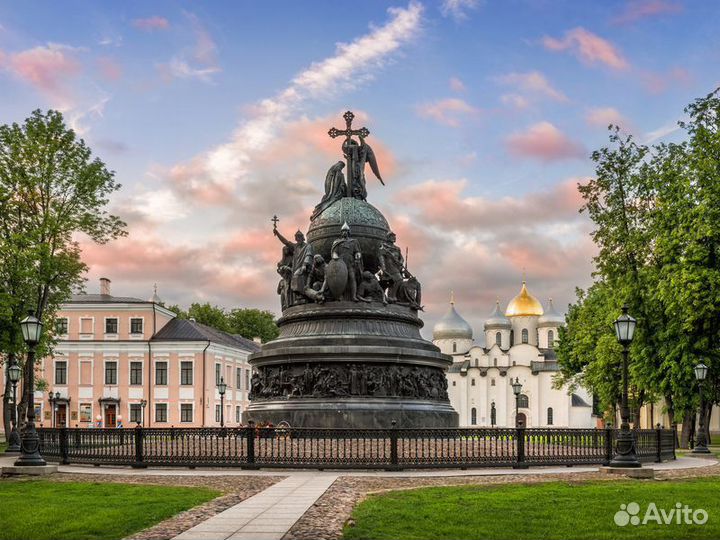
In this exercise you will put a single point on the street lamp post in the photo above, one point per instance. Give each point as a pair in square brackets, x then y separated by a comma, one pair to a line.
[517, 388]
[14, 440]
[30, 442]
[143, 404]
[625, 452]
[53, 399]
[701, 446]
[222, 388]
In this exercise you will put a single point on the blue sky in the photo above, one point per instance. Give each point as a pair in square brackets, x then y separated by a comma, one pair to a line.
[214, 115]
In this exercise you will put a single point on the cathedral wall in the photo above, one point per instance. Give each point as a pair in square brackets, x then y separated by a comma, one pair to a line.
[453, 346]
[543, 334]
[524, 322]
[490, 338]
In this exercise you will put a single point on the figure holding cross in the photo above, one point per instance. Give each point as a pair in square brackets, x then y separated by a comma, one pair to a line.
[356, 156]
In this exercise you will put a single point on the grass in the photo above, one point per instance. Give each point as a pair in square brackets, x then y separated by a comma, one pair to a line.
[534, 511]
[40, 509]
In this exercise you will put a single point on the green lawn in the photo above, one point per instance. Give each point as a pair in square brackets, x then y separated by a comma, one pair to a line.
[40, 509]
[535, 511]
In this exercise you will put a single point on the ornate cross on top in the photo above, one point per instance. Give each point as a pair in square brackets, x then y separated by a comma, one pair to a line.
[348, 132]
[275, 220]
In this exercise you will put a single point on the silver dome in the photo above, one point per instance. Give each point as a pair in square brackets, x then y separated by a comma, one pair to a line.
[452, 326]
[551, 317]
[497, 319]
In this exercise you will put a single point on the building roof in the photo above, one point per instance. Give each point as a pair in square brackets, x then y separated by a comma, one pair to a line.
[452, 326]
[104, 299]
[186, 330]
[524, 304]
[497, 319]
[577, 401]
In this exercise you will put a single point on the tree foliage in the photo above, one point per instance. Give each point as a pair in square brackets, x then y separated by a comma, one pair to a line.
[249, 323]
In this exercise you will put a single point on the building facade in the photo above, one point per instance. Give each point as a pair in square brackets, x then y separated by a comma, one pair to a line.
[519, 344]
[120, 361]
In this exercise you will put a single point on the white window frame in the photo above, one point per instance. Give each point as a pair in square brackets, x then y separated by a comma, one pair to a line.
[190, 359]
[67, 371]
[217, 413]
[167, 412]
[238, 413]
[140, 335]
[85, 335]
[166, 361]
[218, 373]
[131, 422]
[192, 413]
[117, 372]
[92, 412]
[111, 336]
[66, 334]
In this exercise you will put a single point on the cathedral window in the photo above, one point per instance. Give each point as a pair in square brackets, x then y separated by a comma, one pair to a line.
[551, 339]
[493, 414]
[550, 416]
[523, 401]
[492, 382]
[454, 384]
[524, 335]
[498, 339]
[473, 416]
[454, 346]
[495, 362]
[472, 382]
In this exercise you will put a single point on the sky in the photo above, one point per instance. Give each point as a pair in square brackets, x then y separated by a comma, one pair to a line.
[483, 116]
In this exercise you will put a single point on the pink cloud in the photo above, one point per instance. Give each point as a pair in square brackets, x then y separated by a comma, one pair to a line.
[657, 83]
[149, 24]
[588, 47]
[604, 116]
[47, 68]
[532, 82]
[450, 111]
[456, 85]
[545, 142]
[642, 9]
[109, 69]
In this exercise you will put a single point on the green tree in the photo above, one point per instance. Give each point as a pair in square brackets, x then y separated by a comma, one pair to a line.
[252, 323]
[209, 315]
[51, 190]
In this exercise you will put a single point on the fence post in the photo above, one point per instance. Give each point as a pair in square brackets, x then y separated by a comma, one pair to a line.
[658, 432]
[608, 444]
[520, 446]
[250, 441]
[64, 446]
[394, 462]
[139, 440]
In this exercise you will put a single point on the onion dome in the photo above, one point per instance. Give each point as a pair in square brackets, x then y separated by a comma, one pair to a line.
[155, 299]
[551, 317]
[524, 305]
[452, 326]
[497, 319]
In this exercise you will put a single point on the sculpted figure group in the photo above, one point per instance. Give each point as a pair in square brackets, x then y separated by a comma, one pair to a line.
[349, 380]
[306, 277]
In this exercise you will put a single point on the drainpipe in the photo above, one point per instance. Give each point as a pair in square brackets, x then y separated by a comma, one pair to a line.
[204, 405]
[150, 372]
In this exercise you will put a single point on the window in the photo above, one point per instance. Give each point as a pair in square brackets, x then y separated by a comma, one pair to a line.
[161, 412]
[161, 373]
[111, 326]
[186, 373]
[186, 412]
[523, 401]
[495, 362]
[217, 413]
[473, 416]
[136, 326]
[524, 335]
[61, 372]
[237, 414]
[61, 326]
[135, 413]
[492, 382]
[498, 339]
[493, 414]
[238, 378]
[218, 374]
[454, 383]
[135, 372]
[551, 339]
[550, 416]
[247, 379]
[85, 412]
[454, 346]
[472, 382]
[110, 372]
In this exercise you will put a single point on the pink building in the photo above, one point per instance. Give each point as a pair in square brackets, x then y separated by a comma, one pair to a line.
[115, 353]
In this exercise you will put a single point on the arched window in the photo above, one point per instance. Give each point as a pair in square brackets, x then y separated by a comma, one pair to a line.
[473, 416]
[472, 382]
[454, 346]
[492, 382]
[524, 335]
[550, 416]
[493, 414]
[512, 337]
[498, 339]
[523, 402]
[551, 339]
[495, 362]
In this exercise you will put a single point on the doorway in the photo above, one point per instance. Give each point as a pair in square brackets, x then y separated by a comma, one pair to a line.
[110, 415]
[520, 420]
[61, 415]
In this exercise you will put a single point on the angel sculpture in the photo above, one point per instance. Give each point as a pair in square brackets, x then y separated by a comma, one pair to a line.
[357, 155]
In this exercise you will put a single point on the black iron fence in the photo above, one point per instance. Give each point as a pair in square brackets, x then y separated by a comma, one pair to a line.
[395, 448]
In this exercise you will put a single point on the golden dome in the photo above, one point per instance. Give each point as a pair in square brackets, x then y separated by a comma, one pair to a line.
[524, 304]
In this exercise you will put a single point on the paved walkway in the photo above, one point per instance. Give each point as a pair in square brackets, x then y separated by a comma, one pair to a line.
[267, 515]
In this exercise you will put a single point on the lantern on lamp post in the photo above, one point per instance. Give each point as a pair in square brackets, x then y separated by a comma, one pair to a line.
[701, 446]
[13, 374]
[625, 451]
[517, 389]
[29, 441]
[222, 388]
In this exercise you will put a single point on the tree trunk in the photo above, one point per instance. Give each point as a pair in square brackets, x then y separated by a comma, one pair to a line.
[688, 427]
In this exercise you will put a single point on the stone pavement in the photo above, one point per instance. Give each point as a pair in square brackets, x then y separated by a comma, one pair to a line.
[269, 515]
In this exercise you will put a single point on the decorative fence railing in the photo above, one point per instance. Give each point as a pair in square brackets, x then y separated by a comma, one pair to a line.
[395, 448]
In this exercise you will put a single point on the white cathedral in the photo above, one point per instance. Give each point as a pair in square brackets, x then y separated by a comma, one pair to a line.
[519, 345]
